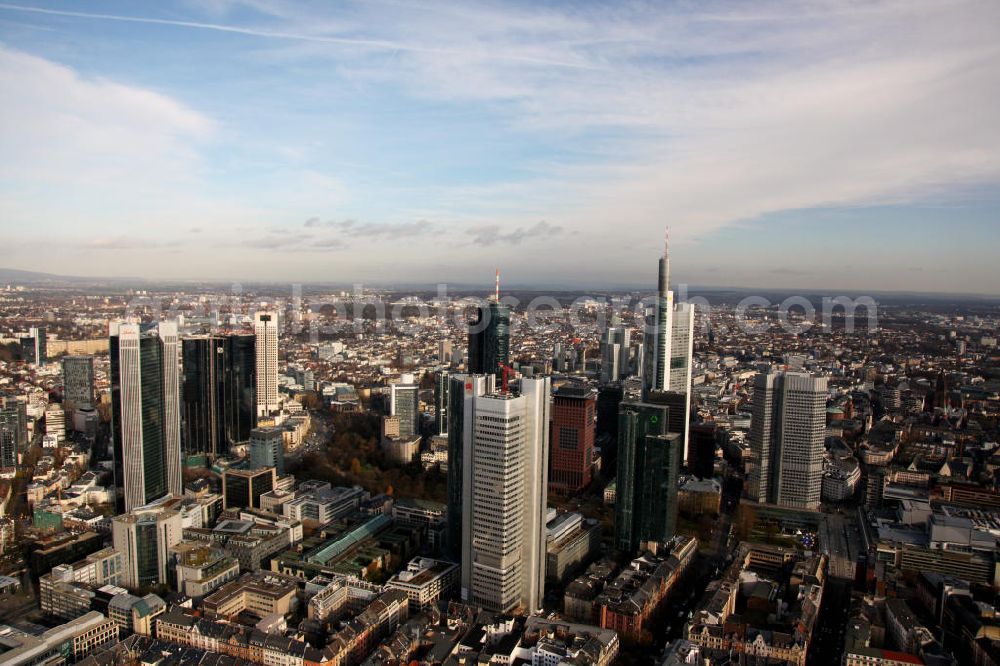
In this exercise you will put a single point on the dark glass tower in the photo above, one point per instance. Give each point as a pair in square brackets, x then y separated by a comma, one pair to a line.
[442, 383]
[456, 430]
[199, 395]
[704, 440]
[489, 339]
[13, 432]
[649, 461]
[218, 393]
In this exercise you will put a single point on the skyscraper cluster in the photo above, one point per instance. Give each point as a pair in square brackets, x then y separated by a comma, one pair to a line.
[177, 400]
[653, 430]
[668, 342]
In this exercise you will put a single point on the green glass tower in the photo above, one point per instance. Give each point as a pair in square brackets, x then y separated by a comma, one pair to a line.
[145, 411]
[489, 339]
[649, 461]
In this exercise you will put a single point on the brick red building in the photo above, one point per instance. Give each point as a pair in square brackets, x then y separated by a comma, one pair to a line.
[574, 420]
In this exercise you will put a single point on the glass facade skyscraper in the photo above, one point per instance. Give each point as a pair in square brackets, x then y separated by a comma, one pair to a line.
[489, 339]
[649, 462]
[218, 395]
[145, 411]
[13, 432]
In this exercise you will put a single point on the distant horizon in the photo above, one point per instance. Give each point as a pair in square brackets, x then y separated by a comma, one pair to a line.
[485, 287]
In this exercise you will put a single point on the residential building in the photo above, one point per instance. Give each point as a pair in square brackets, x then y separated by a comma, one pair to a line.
[404, 404]
[266, 357]
[78, 381]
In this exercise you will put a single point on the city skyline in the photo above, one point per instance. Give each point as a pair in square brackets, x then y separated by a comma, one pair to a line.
[814, 146]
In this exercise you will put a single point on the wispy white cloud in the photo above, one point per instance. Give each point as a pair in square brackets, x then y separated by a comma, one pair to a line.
[58, 127]
[494, 234]
[375, 44]
[701, 115]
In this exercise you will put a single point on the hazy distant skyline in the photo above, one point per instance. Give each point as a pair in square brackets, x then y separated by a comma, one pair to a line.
[849, 145]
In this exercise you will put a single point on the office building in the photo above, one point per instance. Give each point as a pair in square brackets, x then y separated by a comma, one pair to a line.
[267, 449]
[615, 343]
[78, 381]
[242, 488]
[705, 439]
[34, 348]
[444, 352]
[786, 439]
[143, 537]
[505, 462]
[265, 328]
[218, 393]
[649, 461]
[13, 432]
[463, 389]
[404, 404]
[489, 339]
[66, 643]
[425, 581]
[670, 344]
[55, 422]
[145, 411]
[574, 423]
[441, 385]
[609, 398]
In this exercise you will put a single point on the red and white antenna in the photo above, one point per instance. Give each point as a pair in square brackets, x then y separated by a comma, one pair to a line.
[497, 294]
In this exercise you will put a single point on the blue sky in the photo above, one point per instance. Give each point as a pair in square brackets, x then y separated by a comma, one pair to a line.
[836, 144]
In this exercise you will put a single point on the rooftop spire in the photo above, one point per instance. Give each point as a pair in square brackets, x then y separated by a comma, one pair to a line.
[497, 294]
[664, 282]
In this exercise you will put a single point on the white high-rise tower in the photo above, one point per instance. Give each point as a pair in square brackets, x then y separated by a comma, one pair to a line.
[504, 497]
[670, 344]
[265, 328]
[615, 352]
[145, 411]
[786, 438]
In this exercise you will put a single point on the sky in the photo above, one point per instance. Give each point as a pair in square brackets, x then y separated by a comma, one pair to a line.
[819, 145]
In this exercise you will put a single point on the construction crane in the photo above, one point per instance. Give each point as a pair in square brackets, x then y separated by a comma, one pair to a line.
[506, 372]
